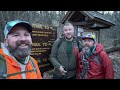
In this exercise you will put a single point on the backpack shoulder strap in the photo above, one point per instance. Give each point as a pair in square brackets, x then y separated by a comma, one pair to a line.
[77, 41]
[33, 64]
[60, 42]
[98, 58]
[3, 67]
[79, 44]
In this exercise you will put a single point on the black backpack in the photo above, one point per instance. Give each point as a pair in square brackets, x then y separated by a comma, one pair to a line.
[3, 68]
[78, 43]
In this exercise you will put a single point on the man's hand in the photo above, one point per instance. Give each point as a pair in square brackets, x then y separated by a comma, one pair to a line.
[62, 70]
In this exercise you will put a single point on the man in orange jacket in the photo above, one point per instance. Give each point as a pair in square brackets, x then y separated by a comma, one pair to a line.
[16, 51]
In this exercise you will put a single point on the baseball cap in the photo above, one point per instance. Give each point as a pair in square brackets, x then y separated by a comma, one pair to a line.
[9, 25]
[91, 36]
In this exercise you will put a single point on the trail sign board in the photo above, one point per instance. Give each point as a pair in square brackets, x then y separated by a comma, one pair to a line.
[43, 38]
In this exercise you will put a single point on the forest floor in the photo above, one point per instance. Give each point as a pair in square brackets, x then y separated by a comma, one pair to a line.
[114, 56]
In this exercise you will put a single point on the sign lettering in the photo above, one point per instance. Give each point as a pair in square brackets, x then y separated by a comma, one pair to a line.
[43, 38]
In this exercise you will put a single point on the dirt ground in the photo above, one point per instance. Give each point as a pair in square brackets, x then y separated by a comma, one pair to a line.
[48, 74]
[115, 57]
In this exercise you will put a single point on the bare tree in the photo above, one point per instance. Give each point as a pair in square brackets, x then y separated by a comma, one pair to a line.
[41, 17]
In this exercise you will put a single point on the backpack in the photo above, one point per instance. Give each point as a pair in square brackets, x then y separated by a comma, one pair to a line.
[78, 43]
[3, 68]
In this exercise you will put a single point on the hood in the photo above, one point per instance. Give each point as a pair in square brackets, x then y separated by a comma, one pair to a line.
[99, 48]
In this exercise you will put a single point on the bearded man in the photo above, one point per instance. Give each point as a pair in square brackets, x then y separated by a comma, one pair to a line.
[16, 51]
[64, 57]
[93, 61]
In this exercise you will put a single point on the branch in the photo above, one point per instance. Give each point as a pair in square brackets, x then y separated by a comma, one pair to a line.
[2, 17]
[22, 15]
[18, 15]
[8, 18]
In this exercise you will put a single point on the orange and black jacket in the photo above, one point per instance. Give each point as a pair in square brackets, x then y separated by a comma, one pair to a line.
[13, 67]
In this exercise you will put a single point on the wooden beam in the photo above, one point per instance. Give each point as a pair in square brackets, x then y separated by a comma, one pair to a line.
[86, 13]
[82, 23]
[67, 17]
[103, 21]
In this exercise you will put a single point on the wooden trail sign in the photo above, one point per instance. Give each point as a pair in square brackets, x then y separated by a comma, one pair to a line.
[43, 38]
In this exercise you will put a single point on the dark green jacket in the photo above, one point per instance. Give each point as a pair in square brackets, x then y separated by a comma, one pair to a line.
[58, 57]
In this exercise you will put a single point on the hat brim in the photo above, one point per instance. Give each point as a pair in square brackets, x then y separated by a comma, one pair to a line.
[28, 26]
[87, 38]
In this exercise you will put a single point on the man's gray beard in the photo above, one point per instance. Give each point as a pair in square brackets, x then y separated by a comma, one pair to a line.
[19, 53]
[87, 51]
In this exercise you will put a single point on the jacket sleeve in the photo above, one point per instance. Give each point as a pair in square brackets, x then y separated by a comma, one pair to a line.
[53, 55]
[78, 65]
[107, 66]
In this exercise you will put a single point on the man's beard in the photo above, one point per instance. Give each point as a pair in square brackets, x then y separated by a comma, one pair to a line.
[20, 53]
[87, 50]
[69, 38]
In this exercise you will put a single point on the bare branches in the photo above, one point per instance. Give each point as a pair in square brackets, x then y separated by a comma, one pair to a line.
[21, 18]
[2, 17]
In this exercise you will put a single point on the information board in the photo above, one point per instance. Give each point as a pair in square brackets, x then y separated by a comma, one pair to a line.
[43, 38]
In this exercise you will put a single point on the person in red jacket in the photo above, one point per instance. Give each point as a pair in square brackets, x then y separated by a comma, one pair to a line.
[93, 61]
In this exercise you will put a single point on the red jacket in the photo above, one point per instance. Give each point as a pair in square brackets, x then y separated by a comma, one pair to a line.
[97, 71]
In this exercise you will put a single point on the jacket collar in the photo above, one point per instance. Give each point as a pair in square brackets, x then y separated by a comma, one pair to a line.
[5, 51]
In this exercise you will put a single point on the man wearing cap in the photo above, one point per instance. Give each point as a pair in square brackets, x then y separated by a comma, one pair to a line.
[93, 61]
[15, 52]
